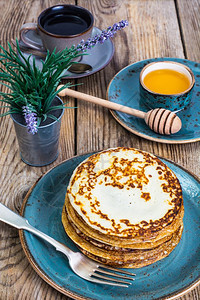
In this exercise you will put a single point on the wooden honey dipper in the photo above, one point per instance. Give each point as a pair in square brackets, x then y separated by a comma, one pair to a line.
[160, 120]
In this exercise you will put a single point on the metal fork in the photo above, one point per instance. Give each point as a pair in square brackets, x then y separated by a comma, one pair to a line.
[79, 263]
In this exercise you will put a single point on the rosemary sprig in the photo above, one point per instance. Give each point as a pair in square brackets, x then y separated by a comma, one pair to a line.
[32, 90]
[30, 86]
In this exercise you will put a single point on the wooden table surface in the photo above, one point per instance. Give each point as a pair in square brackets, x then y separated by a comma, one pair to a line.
[157, 28]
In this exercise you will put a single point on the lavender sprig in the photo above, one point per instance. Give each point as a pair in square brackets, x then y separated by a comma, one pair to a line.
[102, 37]
[30, 119]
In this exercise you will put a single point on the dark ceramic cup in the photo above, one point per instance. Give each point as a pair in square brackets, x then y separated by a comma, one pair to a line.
[173, 102]
[59, 27]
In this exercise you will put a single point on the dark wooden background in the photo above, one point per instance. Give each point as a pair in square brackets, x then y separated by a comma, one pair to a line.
[157, 28]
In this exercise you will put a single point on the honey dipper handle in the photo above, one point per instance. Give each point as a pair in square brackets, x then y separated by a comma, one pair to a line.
[102, 102]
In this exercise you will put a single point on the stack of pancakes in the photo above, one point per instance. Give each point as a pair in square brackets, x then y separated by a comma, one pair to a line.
[124, 208]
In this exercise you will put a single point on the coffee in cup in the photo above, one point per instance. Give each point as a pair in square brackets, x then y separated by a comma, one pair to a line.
[59, 27]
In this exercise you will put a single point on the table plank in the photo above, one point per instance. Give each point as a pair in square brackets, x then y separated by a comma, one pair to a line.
[154, 31]
[188, 14]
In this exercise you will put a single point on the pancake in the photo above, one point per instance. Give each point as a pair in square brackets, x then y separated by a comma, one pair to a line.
[135, 242]
[119, 257]
[124, 207]
[125, 192]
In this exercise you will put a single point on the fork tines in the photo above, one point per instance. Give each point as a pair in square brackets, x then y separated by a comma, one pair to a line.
[114, 274]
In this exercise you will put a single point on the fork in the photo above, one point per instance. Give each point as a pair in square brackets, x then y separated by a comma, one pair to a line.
[79, 263]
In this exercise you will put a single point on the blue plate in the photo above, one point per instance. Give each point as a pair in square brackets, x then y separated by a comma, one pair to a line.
[173, 275]
[124, 89]
[98, 57]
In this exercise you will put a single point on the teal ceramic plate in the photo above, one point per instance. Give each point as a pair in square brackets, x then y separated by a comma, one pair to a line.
[174, 275]
[98, 57]
[124, 89]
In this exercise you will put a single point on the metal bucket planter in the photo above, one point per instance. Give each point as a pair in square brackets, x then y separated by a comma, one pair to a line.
[41, 148]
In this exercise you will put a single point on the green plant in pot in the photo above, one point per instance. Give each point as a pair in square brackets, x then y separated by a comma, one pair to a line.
[32, 100]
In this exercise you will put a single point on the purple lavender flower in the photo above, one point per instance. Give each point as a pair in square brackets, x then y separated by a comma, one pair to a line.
[102, 37]
[30, 119]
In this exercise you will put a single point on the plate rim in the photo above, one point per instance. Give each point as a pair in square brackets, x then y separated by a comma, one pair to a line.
[146, 136]
[65, 291]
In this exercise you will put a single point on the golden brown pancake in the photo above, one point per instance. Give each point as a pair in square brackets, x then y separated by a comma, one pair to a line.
[124, 207]
[134, 243]
[119, 257]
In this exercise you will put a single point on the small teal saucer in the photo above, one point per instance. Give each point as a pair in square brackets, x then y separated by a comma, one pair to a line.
[98, 57]
[168, 278]
[124, 89]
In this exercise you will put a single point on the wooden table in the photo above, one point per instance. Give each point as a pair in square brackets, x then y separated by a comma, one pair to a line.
[158, 28]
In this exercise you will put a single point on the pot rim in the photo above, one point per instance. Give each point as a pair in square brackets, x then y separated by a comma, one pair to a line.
[43, 126]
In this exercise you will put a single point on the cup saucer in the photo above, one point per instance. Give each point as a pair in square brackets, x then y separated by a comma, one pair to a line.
[98, 57]
[124, 89]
